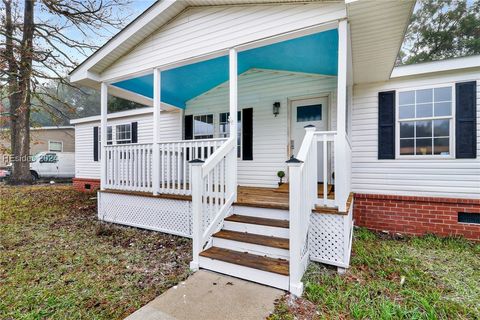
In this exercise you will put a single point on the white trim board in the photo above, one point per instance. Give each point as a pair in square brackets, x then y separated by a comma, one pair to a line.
[436, 66]
[115, 115]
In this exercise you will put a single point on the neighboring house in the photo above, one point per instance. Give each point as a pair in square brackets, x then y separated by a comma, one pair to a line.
[49, 138]
[239, 91]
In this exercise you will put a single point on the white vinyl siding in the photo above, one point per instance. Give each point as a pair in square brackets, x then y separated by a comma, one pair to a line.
[259, 89]
[85, 167]
[442, 177]
[202, 30]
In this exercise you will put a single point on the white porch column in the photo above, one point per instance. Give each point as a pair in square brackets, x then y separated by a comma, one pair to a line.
[103, 133]
[233, 82]
[341, 186]
[156, 131]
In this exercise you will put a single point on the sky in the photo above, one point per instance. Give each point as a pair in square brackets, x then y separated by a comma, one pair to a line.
[128, 14]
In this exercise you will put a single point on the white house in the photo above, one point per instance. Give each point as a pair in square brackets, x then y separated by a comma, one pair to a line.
[238, 91]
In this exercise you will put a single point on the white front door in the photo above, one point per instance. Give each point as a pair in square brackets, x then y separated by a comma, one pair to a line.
[308, 112]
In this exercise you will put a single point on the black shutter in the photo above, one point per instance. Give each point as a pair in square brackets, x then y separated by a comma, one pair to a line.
[188, 127]
[95, 143]
[134, 132]
[247, 134]
[466, 120]
[386, 125]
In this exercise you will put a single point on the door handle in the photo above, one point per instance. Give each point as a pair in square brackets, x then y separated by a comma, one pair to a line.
[292, 144]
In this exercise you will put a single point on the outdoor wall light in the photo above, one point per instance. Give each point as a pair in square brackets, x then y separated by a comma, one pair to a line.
[276, 108]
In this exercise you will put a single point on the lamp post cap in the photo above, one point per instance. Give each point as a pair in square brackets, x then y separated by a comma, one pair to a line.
[293, 160]
[310, 127]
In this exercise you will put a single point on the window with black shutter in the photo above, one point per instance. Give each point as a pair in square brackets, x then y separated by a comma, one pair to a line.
[466, 120]
[386, 125]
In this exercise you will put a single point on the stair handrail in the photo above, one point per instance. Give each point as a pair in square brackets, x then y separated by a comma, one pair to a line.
[302, 199]
[213, 193]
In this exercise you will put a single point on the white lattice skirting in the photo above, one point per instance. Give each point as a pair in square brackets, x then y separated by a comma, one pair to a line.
[330, 238]
[165, 215]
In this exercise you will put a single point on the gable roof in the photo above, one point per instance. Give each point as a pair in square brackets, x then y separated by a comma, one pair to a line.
[377, 30]
[149, 21]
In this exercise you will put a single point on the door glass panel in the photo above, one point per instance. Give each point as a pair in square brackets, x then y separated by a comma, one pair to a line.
[309, 113]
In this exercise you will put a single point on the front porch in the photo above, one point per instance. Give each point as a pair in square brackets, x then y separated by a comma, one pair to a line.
[265, 108]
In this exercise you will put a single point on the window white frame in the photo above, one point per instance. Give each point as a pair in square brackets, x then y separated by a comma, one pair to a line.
[451, 154]
[202, 136]
[239, 130]
[109, 142]
[50, 142]
[109, 135]
[128, 132]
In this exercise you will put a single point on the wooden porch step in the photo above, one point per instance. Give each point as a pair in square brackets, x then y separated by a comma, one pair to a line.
[327, 210]
[279, 266]
[275, 242]
[260, 221]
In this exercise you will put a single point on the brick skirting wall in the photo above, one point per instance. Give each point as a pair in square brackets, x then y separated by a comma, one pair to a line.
[86, 184]
[416, 215]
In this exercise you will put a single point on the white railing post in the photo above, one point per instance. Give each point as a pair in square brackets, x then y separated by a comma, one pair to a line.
[156, 131]
[103, 134]
[314, 168]
[233, 91]
[295, 203]
[341, 187]
[197, 193]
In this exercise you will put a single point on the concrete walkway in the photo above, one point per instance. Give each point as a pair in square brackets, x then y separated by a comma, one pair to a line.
[212, 296]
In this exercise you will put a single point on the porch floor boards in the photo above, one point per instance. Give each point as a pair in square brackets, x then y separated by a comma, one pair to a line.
[272, 198]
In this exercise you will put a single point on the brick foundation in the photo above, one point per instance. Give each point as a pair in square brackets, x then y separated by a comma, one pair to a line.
[86, 185]
[416, 215]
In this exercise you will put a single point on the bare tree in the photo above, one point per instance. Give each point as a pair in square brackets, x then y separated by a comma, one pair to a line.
[40, 42]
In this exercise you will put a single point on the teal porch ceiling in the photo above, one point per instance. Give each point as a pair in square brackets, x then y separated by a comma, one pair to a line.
[316, 53]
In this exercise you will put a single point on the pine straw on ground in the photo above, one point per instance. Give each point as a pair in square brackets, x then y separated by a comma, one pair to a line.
[57, 261]
[393, 277]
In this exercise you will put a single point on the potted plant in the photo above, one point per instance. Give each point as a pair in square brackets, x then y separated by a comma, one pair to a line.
[281, 175]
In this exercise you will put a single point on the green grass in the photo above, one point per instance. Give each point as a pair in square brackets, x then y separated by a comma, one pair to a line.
[57, 261]
[414, 278]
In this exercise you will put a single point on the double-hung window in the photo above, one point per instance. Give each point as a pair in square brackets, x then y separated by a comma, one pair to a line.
[425, 122]
[123, 133]
[224, 129]
[203, 126]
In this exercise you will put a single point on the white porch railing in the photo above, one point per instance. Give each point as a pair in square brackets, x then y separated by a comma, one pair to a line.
[328, 141]
[214, 191]
[302, 198]
[130, 166]
[174, 157]
[303, 189]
